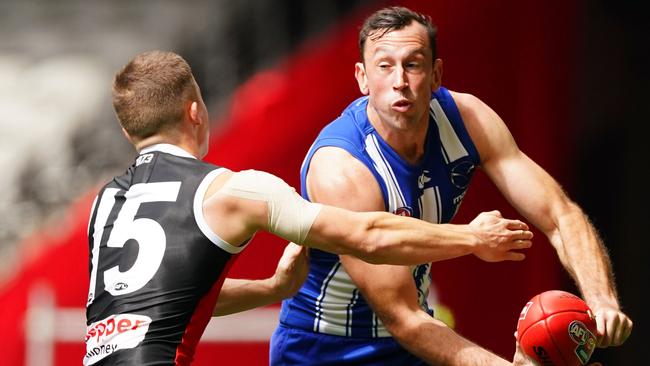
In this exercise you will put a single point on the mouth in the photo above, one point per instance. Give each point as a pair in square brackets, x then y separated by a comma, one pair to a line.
[401, 105]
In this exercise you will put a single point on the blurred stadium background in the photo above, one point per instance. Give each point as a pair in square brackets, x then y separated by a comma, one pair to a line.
[569, 79]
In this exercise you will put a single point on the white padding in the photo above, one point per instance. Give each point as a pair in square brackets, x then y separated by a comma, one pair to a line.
[290, 216]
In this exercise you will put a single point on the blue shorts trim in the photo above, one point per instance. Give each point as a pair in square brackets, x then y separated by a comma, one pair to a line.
[290, 346]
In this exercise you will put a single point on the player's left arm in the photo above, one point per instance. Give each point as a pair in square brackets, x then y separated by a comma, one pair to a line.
[541, 200]
[239, 295]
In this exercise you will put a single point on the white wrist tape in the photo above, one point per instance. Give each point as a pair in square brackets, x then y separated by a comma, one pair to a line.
[290, 216]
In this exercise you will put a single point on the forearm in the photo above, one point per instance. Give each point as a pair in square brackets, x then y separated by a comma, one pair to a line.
[380, 237]
[424, 337]
[583, 254]
[240, 295]
[414, 240]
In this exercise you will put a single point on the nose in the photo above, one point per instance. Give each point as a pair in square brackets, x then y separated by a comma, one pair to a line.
[400, 81]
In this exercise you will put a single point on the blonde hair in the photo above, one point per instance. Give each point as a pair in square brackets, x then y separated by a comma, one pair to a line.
[150, 93]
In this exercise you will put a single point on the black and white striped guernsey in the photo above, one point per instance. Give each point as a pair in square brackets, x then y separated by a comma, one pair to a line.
[155, 266]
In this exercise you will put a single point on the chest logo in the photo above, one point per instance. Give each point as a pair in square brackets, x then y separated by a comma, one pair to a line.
[461, 173]
[423, 179]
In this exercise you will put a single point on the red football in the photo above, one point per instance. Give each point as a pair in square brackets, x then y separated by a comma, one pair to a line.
[557, 328]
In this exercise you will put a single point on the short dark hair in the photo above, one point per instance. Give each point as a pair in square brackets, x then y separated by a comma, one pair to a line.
[394, 18]
[149, 93]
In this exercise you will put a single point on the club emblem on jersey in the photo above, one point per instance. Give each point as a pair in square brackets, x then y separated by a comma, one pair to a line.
[461, 174]
[404, 211]
[423, 179]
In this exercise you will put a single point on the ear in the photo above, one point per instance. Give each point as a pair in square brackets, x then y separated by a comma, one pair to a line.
[194, 113]
[126, 134]
[436, 80]
[362, 78]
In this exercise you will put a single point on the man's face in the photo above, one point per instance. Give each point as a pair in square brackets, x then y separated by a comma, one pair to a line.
[398, 74]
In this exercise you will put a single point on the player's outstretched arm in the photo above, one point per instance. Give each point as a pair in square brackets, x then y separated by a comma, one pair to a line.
[381, 237]
[239, 295]
[253, 200]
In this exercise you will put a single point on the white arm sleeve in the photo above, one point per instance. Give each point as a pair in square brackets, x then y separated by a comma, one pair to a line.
[290, 216]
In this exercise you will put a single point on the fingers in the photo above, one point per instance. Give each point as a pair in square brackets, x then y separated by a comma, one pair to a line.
[614, 327]
[516, 225]
[623, 332]
[514, 256]
[521, 235]
[522, 244]
[520, 230]
[293, 250]
[495, 213]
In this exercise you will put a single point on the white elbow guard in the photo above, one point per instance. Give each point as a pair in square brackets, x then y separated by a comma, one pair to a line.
[290, 216]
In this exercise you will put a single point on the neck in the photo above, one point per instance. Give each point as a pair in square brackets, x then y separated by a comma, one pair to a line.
[407, 140]
[159, 139]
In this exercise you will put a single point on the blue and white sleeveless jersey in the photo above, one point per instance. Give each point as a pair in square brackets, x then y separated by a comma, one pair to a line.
[432, 190]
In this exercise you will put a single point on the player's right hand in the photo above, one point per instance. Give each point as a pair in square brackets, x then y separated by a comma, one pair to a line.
[520, 358]
[291, 271]
[499, 238]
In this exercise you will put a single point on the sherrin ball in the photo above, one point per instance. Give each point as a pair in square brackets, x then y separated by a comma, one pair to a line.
[557, 328]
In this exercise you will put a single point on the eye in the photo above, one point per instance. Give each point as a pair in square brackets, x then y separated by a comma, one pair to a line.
[412, 65]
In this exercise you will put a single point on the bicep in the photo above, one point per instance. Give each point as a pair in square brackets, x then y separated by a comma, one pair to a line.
[526, 186]
[337, 179]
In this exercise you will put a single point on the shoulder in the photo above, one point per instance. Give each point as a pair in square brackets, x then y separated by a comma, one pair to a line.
[338, 165]
[350, 124]
[335, 176]
[470, 107]
[486, 128]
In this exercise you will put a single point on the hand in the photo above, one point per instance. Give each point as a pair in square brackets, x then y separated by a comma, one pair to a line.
[520, 358]
[613, 326]
[291, 271]
[498, 237]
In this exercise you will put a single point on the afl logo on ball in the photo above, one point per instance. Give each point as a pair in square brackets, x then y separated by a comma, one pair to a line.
[404, 211]
[586, 341]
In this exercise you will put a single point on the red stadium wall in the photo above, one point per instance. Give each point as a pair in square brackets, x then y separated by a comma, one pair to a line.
[516, 56]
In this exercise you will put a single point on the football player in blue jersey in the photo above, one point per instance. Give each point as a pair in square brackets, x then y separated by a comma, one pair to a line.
[409, 146]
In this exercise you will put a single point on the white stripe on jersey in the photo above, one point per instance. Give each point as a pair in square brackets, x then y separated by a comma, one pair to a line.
[452, 148]
[92, 209]
[106, 204]
[355, 297]
[430, 205]
[395, 195]
[337, 293]
[200, 219]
